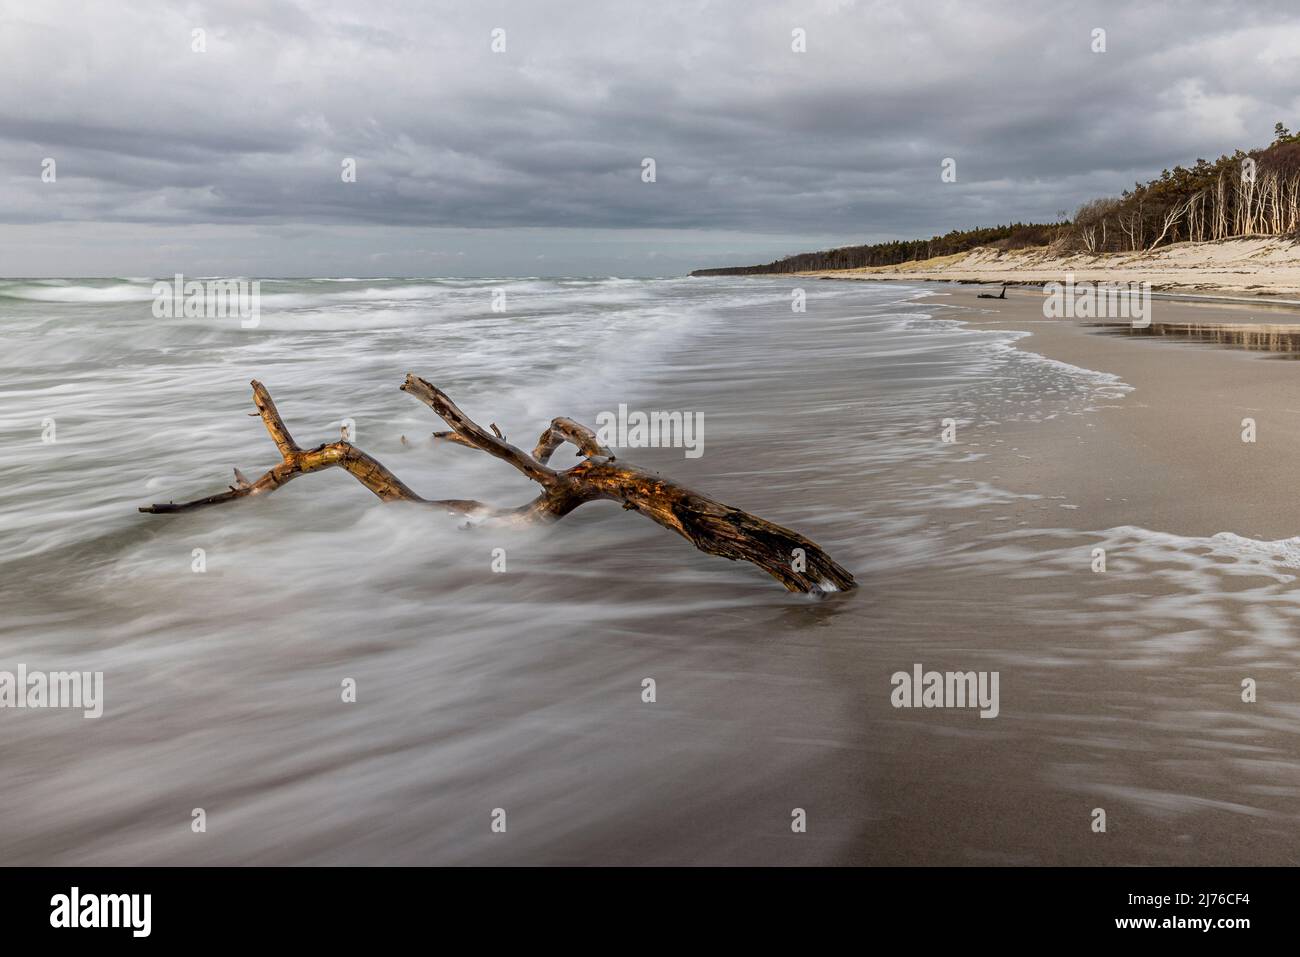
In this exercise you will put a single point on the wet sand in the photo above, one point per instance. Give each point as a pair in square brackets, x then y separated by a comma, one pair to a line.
[1121, 689]
[1170, 456]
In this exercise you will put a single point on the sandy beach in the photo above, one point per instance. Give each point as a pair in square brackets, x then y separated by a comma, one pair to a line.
[1263, 266]
[1169, 456]
[1137, 669]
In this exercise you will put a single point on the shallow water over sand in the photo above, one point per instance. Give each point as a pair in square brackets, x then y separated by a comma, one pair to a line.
[522, 690]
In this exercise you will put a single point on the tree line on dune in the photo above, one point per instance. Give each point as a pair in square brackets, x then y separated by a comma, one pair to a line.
[1010, 236]
[1254, 193]
[1248, 193]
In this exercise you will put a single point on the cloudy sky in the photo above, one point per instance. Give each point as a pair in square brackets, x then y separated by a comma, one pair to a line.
[529, 161]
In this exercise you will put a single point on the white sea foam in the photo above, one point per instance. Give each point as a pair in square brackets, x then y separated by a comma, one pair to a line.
[61, 292]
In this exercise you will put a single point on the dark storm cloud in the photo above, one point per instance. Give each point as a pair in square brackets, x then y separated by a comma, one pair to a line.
[843, 140]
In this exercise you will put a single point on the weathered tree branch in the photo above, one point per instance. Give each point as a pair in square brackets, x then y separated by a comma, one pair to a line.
[369, 472]
[717, 529]
[474, 434]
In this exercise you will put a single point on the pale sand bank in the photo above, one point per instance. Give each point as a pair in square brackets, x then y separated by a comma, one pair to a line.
[1263, 266]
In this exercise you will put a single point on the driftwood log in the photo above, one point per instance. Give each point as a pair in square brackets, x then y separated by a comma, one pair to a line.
[712, 527]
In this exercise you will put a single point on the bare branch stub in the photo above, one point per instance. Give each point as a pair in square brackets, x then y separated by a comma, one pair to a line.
[563, 430]
[711, 526]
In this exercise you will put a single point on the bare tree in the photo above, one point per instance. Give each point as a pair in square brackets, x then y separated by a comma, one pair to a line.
[1173, 216]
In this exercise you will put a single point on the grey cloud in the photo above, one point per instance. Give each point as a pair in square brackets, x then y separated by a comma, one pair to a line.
[842, 142]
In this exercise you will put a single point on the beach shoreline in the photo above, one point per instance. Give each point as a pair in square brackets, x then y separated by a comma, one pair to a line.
[1251, 267]
[1119, 689]
[1185, 412]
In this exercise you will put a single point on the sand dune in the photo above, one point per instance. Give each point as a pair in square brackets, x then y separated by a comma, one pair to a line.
[1261, 266]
